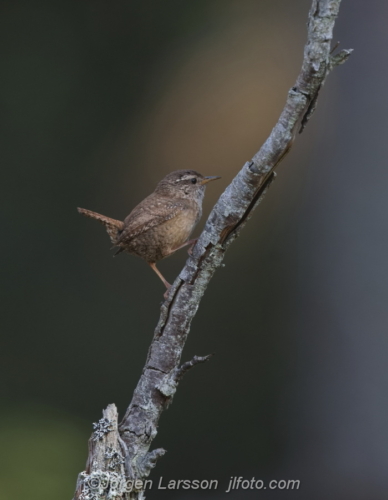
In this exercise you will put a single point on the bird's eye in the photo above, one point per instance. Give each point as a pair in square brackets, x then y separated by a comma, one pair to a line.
[194, 180]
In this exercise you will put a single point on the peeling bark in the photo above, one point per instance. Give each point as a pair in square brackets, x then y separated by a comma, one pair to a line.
[162, 371]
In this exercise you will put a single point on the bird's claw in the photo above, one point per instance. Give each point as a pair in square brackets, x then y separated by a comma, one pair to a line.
[190, 249]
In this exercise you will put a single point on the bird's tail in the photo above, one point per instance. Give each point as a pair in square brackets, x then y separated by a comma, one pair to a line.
[113, 226]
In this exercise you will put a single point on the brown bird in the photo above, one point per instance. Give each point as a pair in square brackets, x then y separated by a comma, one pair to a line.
[162, 222]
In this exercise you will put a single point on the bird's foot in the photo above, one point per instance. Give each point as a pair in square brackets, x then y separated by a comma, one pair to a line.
[168, 287]
[190, 249]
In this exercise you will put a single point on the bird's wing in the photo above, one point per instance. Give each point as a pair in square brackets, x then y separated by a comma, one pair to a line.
[151, 212]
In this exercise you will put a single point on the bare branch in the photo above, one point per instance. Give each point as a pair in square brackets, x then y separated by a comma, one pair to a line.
[162, 372]
[340, 58]
[150, 460]
[170, 382]
[189, 364]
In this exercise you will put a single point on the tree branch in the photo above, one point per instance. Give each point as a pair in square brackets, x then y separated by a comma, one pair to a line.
[162, 371]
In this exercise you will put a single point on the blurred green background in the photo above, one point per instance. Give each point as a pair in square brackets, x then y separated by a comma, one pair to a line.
[99, 100]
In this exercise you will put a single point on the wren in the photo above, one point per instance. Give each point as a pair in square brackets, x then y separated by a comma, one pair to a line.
[163, 222]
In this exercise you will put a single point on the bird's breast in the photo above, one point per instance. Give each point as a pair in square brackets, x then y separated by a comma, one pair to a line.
[163, 239]
[175, 232]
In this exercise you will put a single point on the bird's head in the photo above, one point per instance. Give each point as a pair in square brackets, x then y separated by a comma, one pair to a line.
[184, 184]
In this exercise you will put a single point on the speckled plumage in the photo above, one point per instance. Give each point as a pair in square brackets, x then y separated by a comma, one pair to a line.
[163, 221]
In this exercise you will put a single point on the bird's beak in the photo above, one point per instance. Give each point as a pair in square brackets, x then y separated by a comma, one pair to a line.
[209, 179]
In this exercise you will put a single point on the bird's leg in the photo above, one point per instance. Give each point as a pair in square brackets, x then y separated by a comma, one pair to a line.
[154, 268]
[188, 242]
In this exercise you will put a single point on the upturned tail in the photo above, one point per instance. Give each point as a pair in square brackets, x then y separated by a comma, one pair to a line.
[113, 226]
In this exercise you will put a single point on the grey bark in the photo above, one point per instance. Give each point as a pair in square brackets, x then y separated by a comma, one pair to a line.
[119, 454]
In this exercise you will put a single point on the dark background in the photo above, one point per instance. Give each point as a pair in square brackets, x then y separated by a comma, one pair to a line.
[99, 100]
